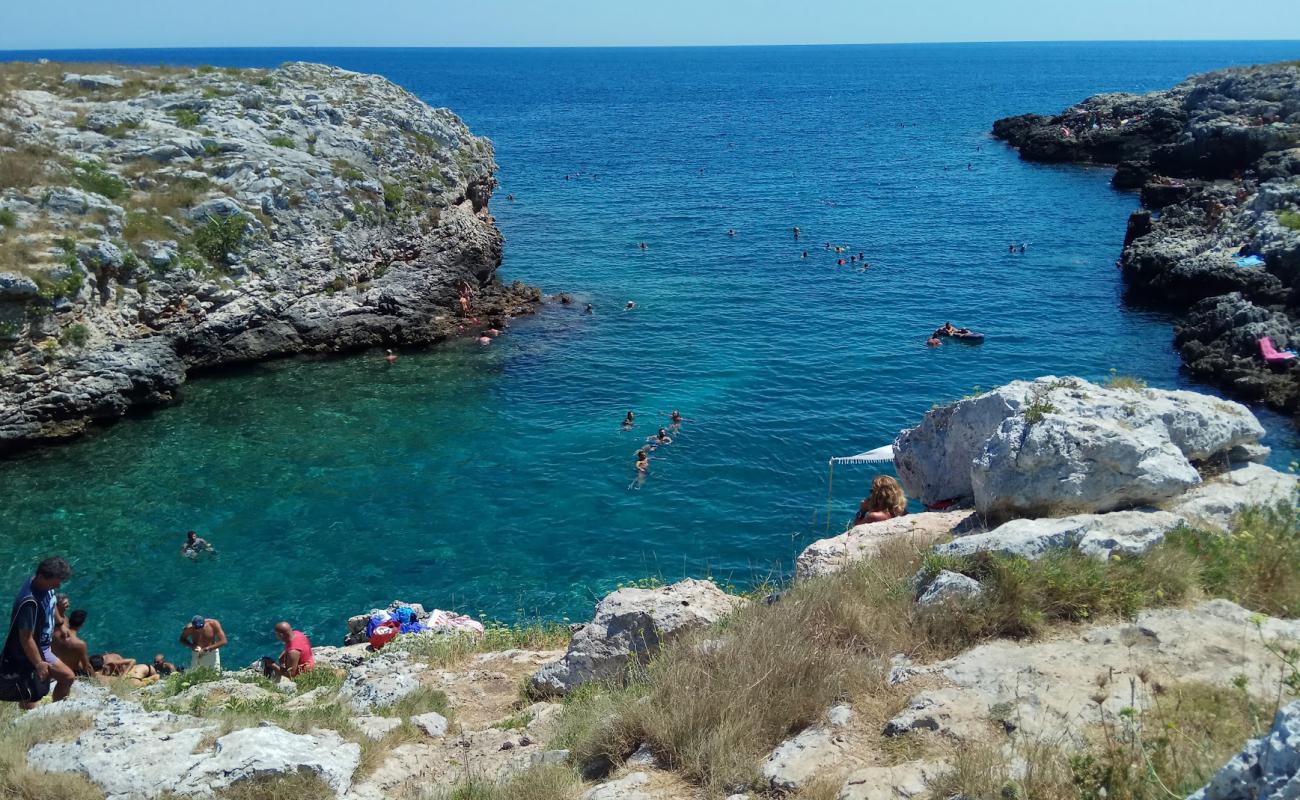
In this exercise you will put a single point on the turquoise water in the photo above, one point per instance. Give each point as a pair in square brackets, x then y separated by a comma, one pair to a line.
[497, 479]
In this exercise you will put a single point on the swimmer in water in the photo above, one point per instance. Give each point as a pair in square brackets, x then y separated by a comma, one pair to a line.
[805, 254]
[675, 421]
[796, 232]
[390, 356]
[642, 462]
[661, 437]
[628, 421]
[194, 544]
[934, 341]
[630, 305]
[589, 309]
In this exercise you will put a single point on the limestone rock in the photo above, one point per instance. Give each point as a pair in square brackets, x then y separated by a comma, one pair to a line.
[950, 587]
[269, 750]
[631, 624]
[828, 556]
[1125, 533]
[93, 81]
[17, 287]
[1267, 768]
[1068, 464]
[376, 727]
[381, 681]
[808, 755]
[221, 692]
[1218, 500]
[432, 723]
[630, 787]
[897, 782]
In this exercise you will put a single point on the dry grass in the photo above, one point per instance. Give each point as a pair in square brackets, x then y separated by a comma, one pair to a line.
[536, 783]
[455, 649]
[17, 780]
[22, 168]
[1168, 748]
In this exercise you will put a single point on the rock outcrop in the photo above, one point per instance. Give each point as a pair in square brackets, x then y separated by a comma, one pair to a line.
[1218, 156]
[168, 220]
[630, 625]
[1267, 768]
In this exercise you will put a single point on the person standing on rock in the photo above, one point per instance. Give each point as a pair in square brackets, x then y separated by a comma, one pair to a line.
[204, 638]
[32, 631]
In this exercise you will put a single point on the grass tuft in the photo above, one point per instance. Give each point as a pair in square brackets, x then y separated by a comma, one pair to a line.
[1257, 567]
[548, 782]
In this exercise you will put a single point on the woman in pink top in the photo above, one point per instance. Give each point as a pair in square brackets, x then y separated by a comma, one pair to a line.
[296, 657]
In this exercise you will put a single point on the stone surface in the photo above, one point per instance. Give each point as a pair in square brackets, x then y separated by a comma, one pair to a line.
[828, 556]
[432, 723]
[324, 262]
[1122, 532]
[381, 681]
[1051, 688]
[1218, 500]
[131, 753]
[376, 727]
[1267, 768]
[897, 782]
[221, 692]
[631, 624]
[810, 754]
[1085, 448]
[949, 587]
[630, 787]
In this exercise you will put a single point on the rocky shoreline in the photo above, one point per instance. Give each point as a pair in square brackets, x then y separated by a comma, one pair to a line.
[159, 221]
[1217, 162]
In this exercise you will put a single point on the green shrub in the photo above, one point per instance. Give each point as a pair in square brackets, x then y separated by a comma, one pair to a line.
[1258, 566]
[92, 177]
[316, 678]
[178, 682]
[281, 140]
[1125, 382]
[145, 225]
[8, 218]
[394, 193]
[346, 170]
[205, 69]
[185, 118]
[9, 330]
[219, 237]
[1290, 219]
[75, 334]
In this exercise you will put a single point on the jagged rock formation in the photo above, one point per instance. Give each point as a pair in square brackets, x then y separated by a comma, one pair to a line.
[157, 221]
[1217, 159]
[1267, 768]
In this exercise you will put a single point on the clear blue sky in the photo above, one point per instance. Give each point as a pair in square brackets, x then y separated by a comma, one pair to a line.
[43, 24]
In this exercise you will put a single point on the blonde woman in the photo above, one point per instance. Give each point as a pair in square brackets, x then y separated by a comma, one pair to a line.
[886, 501]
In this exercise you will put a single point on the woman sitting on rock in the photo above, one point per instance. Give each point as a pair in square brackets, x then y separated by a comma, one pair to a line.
[886, 501]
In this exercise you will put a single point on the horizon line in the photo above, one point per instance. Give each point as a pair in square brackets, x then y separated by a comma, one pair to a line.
[62, 49]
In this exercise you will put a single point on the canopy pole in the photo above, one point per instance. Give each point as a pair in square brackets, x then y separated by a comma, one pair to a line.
[830, 488]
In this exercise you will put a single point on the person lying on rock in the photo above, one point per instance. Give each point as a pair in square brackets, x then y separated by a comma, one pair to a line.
[204, 638]
[886, 501]
[162, 667]
[296, 657]
[111, 665]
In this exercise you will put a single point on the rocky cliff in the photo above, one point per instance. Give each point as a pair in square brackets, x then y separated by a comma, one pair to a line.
[156, 221]
[1217, 161]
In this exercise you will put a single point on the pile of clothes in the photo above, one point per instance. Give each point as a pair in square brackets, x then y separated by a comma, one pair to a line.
[385, 625]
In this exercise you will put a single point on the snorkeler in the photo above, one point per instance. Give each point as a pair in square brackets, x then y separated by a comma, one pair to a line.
[630, 305]
[589, 309]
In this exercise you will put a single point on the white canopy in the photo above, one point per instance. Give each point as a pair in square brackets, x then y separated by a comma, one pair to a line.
[885, 453]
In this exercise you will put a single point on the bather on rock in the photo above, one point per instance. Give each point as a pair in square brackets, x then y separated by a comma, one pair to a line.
[886, 501]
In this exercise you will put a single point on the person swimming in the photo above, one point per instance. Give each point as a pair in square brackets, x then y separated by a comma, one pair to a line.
[630, 305]
[390, 356]
[589, 309]
[629, 420]
[796, 232]
[194, 545]
[934, 341]
[659, 438]
[805, 254]
[642, 462]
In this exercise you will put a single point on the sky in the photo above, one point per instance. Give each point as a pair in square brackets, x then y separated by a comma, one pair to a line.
[54, 24]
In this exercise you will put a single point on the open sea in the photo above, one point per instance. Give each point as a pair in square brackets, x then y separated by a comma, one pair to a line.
[497, 480]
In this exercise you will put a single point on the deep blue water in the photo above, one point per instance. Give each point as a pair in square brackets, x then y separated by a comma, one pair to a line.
[497, 480]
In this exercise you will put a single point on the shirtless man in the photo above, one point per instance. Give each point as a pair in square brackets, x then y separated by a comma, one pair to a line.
[112, 665]
[204, 638]
[195, 544]
[68, 645]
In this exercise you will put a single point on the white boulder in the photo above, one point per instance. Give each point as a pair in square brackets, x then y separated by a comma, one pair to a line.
[629, 787]
[950, 587]
[376, 728]
[432, 723]
[631, 624]
[828, 556]
[1218, 500]
[808, 755]
[1267, 768]
[1125, 533]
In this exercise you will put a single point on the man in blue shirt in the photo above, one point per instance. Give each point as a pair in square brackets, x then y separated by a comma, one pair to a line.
[33, 626]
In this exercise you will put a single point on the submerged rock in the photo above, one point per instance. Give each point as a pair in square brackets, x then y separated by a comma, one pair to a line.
[630, 625]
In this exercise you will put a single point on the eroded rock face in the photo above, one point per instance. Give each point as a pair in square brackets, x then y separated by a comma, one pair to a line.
[1267, 768]
[228, 217]
[1218, 500]
[631, 624]
[1125, 533]
[828, 556]
[1217, 155]
[810, 753]
[381, 681]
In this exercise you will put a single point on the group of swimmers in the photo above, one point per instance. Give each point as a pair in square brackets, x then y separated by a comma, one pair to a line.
[661, 438]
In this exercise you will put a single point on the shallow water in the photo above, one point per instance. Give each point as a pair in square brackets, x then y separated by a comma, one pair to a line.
[496, 479]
